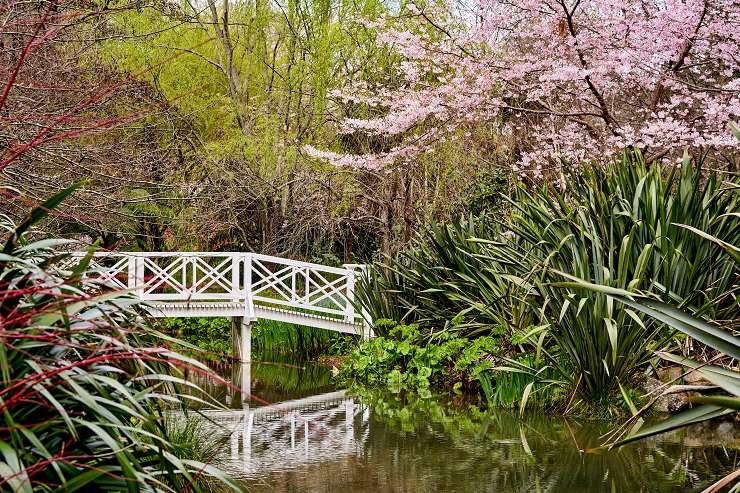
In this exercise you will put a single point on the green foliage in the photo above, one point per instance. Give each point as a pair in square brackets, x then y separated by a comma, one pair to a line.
[83, 383]
[212, 336]
[341, 344]
[189, 435]
[525, 381]
[273, 337]
[487, 195]
[406, 360]
[627, 225]
[453, 272]
[619, 226]
[244, 90]
[707, 333]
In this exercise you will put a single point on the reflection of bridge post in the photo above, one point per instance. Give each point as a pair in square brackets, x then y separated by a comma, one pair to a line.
[292, 430]
[305, 437]
[241, 381]
[241, 378]
[349, 421]
[246, 383]
[248, 424]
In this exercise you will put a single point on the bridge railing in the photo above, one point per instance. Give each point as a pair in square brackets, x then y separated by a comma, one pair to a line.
[301, 285]
[246, 278]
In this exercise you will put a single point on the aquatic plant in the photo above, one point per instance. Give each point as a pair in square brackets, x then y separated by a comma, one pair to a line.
[405, 359]
[402, 359]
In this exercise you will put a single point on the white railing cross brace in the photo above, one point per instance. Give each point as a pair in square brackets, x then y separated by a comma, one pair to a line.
[251, 285]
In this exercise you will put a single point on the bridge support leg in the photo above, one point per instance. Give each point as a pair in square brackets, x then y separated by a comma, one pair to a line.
[241, 379]
[241, 339]
[245, 385]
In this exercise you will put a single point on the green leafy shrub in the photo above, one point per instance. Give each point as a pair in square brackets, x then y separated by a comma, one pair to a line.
[406, 360]
[83, 381]
[212, 336]
[626, 225]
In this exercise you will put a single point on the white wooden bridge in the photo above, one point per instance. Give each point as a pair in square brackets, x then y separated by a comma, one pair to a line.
[244, 286]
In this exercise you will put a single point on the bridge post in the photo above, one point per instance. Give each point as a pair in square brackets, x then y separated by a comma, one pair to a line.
[241, 339]
[349, 310]
[246, 333]
[136, 275]
[248, 300]
[359, 272]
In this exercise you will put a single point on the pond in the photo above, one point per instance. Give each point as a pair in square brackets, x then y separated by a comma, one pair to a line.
[301, 434]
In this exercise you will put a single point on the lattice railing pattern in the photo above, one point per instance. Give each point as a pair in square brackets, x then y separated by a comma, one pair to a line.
[301, 285]
[246, 278]
[186, 277]
[112, 271]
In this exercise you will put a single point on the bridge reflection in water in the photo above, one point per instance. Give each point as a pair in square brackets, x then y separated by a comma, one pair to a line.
[265, 438]
[330, 442]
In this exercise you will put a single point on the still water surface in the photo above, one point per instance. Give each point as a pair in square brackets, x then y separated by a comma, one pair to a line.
[305, 435]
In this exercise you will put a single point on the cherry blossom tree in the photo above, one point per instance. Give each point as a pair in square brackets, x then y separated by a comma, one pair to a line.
[561, 80]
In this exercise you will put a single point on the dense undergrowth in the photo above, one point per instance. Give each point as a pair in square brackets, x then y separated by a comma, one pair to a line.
[626, 225]
[213, 338]
[84, 381]
[406, 360]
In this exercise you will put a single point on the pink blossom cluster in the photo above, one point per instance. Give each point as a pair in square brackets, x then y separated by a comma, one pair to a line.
[569, 80]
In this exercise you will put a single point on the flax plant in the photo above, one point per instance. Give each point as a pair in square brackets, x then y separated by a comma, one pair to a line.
[624, 226]
[83, 381]
[627, 225]
[455, 272]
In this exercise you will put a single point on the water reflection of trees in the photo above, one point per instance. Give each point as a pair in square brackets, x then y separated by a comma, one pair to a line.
[465, 450]
[404, 443]
[276, 380]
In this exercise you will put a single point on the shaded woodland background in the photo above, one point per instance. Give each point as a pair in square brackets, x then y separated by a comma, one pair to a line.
[186, 122]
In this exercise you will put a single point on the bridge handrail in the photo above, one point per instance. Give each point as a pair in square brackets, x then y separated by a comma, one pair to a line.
[245, 278]
[261, 256]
